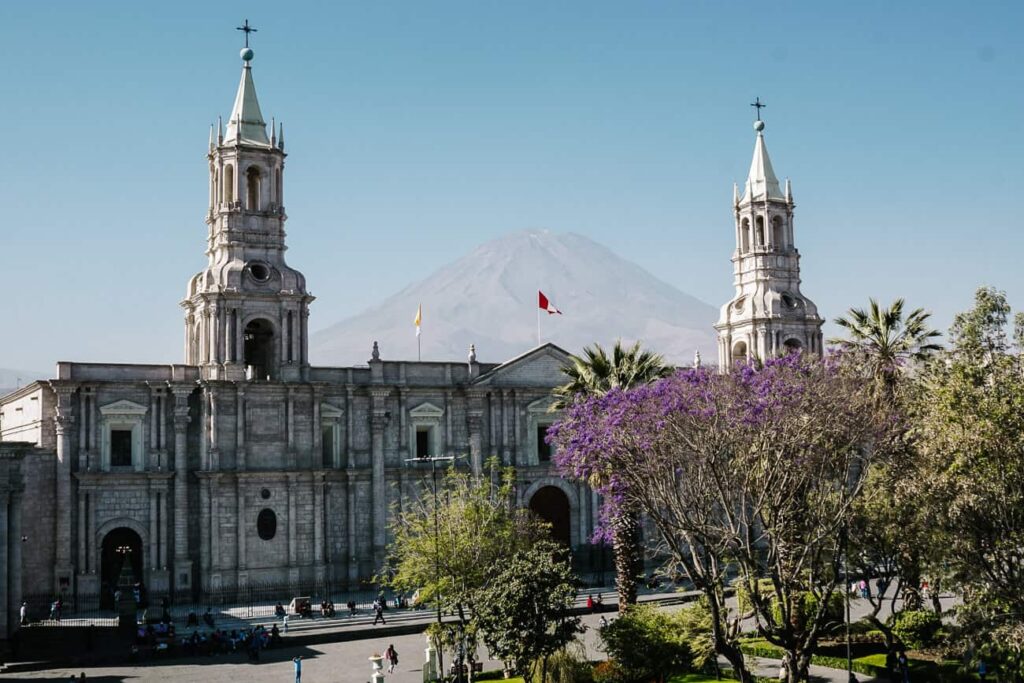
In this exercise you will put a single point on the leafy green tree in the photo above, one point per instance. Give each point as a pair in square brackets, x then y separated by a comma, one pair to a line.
[969, 420]
[595, 373]
[452, 564]
[885, 341]
[525, 611]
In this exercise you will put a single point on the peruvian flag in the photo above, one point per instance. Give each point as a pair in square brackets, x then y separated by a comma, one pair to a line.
[546, 305]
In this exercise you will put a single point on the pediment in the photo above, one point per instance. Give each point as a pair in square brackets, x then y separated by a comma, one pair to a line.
[539, 367]
[426, 409]
[123, 407]
[541, 405]
[330, 412]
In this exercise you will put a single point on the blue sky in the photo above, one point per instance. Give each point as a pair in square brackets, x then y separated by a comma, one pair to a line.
[418, 129]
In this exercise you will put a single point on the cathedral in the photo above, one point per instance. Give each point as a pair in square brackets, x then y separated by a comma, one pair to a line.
[246, 465]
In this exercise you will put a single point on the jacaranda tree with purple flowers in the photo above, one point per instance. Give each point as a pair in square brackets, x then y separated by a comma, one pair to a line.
[749, 474]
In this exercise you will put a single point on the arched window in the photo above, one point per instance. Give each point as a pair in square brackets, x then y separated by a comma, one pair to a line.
[778, 233]
[258, 347]
[745, 235]
[792, 345]
[252, 184]
[229, 184]
[739, 351]
[759, 242]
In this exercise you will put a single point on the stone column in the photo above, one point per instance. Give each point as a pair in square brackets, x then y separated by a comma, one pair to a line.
[83, 428]
[290, 406]
[378, 421]
[292, 546]
[204, 522]
[350, 518]
[91, 530]
[182, 563]
[240, 537]
[7, 608]
[215, 554]
[240, 452]
[318, 518]
[475, 421]
[63, 423]
[154, 533]
[81, 531]
[162, 495]
[318, 430]
[214, 452]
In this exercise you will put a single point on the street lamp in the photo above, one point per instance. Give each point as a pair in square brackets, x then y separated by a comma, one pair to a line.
[433, 460]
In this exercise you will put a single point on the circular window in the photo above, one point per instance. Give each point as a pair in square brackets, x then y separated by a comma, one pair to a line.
[259, 271]
[265, 493]
[266, 524]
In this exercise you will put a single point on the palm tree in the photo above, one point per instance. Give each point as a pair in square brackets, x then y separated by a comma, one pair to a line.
[595, 373]
[886, 341]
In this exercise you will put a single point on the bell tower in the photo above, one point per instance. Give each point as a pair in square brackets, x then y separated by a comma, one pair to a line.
[246, 313]
[768, 315]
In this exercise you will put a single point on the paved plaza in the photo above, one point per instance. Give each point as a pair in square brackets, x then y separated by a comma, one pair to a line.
[342, 662]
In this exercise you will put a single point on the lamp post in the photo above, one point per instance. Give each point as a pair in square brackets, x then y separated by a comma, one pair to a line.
[433, 460]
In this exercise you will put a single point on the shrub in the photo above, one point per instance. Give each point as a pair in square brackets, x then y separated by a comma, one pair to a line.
[916, 628]
[568, 665]
[608, 672]
[646, 643]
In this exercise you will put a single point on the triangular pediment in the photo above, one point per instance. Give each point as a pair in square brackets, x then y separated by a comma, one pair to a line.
[541, 405]
[426, 410]
[123, 407]
[330, 412]
[538, 367]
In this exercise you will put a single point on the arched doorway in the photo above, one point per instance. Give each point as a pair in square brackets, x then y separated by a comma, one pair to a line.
[792, 345]
[552, 505]
[117, 545]
[259, 349]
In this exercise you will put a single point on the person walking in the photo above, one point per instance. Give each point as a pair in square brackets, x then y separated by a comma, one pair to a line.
[285, 620]
[392, 656]
[23, 613]
[378, 613]
[297, 661]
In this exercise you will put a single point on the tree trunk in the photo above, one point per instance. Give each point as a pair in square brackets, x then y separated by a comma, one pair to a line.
[628, 556]
[724, 645]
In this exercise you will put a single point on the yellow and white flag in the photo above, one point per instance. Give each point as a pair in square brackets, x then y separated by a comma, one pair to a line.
[419, 318]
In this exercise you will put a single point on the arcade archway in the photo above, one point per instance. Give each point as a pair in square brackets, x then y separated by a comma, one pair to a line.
[552, 505]
[118, 544]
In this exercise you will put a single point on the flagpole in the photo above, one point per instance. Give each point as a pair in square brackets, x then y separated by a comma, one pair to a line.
[419, 353]
[538, 325]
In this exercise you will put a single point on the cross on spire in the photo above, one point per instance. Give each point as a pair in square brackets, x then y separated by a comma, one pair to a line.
[247, 29]
[758, 105]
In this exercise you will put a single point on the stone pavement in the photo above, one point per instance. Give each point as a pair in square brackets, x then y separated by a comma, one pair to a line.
[340, 662]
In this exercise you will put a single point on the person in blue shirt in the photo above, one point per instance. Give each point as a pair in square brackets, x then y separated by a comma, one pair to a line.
[297, 661]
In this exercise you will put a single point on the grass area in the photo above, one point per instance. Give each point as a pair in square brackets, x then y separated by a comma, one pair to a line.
[692, 678]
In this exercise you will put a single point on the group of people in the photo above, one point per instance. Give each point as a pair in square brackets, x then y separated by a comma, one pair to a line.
[252, 640]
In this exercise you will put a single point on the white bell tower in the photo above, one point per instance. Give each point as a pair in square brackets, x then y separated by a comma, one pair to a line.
[246, 313]
[768, 315]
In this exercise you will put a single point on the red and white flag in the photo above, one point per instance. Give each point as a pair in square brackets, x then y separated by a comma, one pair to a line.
[546, 305]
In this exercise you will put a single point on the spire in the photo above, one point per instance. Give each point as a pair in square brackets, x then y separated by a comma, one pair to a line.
[246, 124]
[761, 181]
[789, 191]
[280, 137]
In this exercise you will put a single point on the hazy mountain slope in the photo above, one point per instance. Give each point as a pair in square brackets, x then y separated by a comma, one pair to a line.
[489, 298]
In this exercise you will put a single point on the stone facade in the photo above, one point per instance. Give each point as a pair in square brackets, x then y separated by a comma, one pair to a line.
[246, 464]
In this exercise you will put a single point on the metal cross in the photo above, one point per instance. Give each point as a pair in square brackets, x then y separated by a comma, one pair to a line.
[758, 106]
[248, 29]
